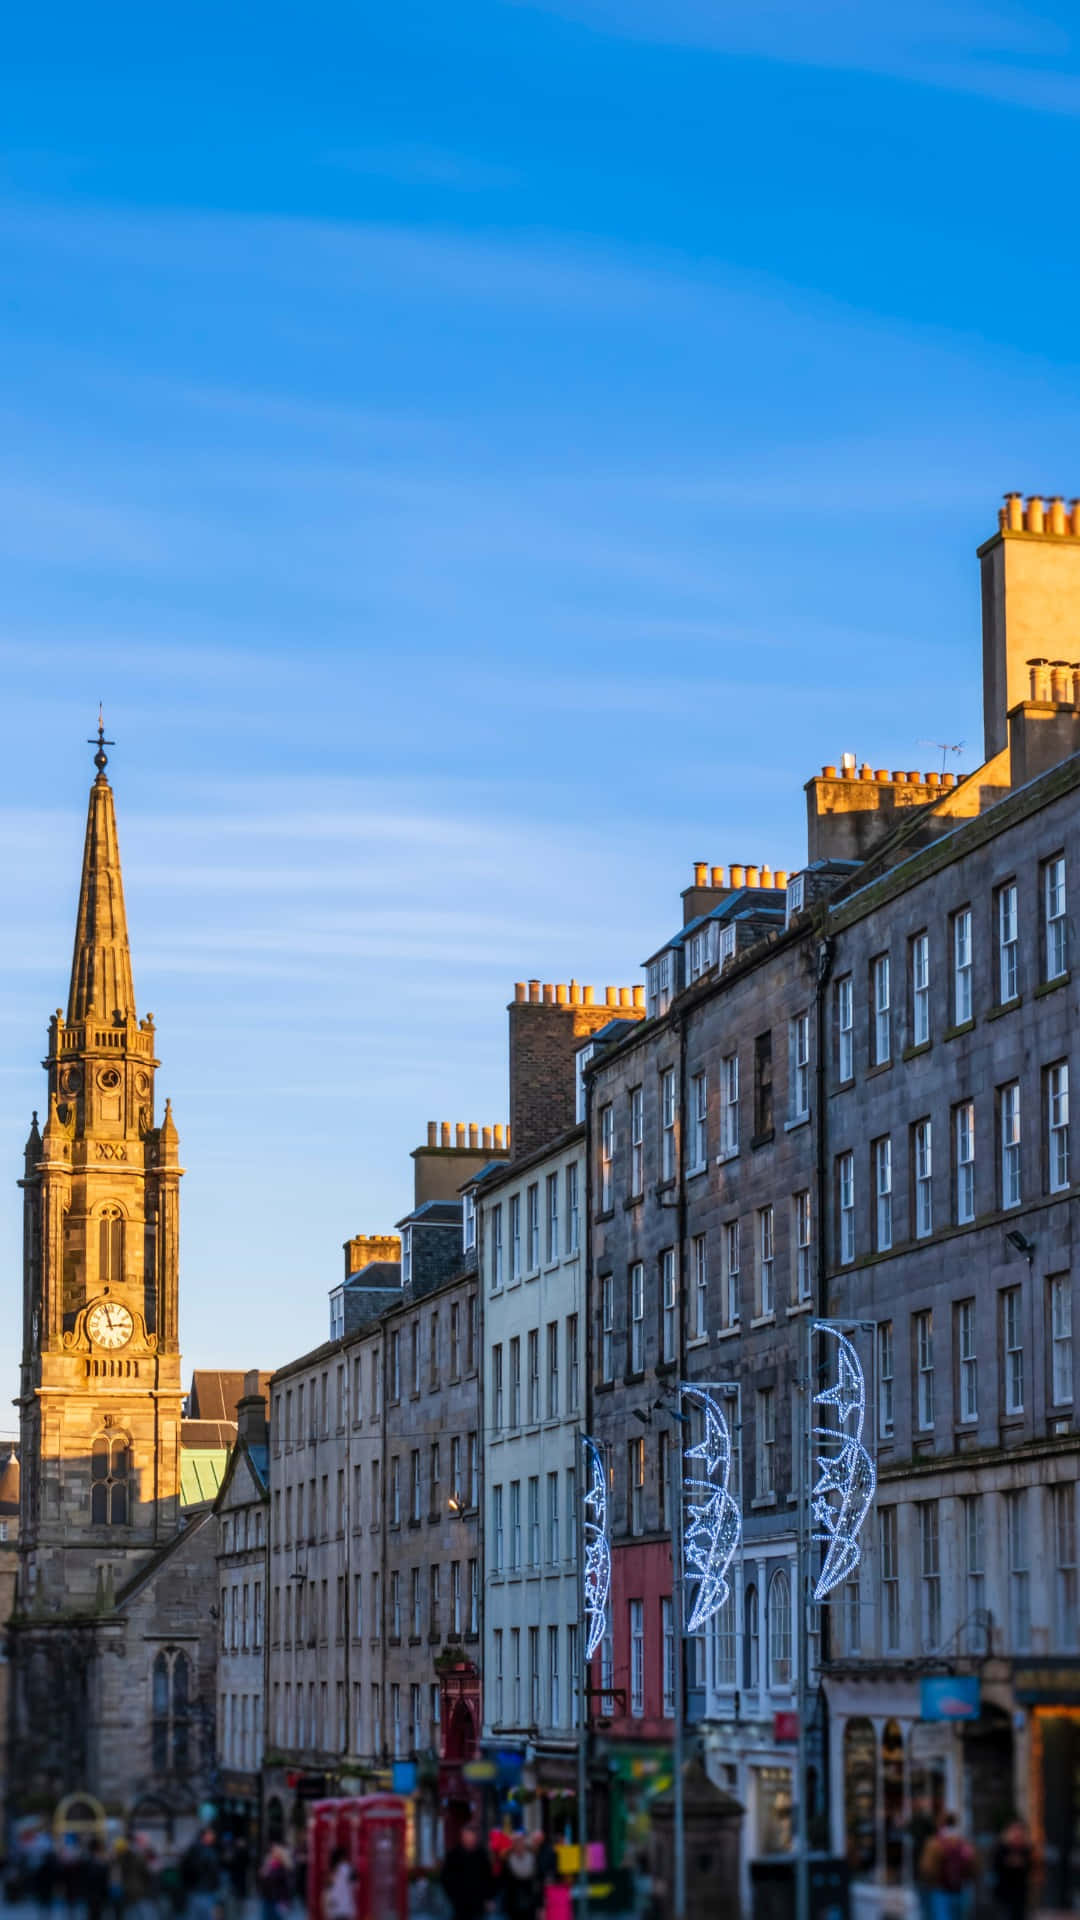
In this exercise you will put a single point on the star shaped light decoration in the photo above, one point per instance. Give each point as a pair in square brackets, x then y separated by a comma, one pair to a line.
[847, 1478]
[597, 1575]
[712, 1524]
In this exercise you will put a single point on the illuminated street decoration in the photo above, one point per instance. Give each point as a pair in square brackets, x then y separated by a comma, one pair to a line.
[845, 1487]
[597, 1577]
[712, 1523]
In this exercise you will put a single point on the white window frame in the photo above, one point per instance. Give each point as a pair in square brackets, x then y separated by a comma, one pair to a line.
[967, 1361]
[883, 1194]
[1010, 1143]
[532, 1226]
[552, 1190]
[607, 1156]
[845, 1182]
[1057, 1126]
[607, 1327]
[799, 1058]
[964, 1145]
[886, 1362]
[802, 1242]
[929, 1574]
[1017, 1545]
[962, 967]
[1008, 932]
[515, 1236]
[637, 1659]
[845, 1029]
[637, 1317]
[881, 1001]
[729, 1104]
[920, 989]
[924, 1178]
[637, 1141]
[667, 1636]
[667, 1124]
[766, 1239]
[635, 1485]
[732, 1300]
[1061, 1343]
[765, 1442]
[573, 1216]
[1055, 918]
[700, 1257]
[669, 1302]
[699, 1123]
[1012, 1350]
[889, 1563]
[496, 1247]
[925, 1407]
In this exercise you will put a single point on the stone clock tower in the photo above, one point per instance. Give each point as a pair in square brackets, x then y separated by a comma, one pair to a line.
[100, 1392]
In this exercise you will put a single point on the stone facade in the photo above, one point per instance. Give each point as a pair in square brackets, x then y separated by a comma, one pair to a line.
[242, 1512]
[534, 1346]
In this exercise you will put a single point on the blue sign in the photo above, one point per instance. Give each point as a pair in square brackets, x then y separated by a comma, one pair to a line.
[403, 1776]
[951, 1697]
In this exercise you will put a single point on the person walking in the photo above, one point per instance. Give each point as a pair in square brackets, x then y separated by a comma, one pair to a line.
[1014, 1860]
[339, 1893]
[275, 1883]
[203, 1876]
[520, 1886]
[921, 1829]
[95, 1879]
[947, 1867]
[467, 1878]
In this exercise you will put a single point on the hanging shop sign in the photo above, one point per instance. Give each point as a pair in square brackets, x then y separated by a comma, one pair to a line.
[953, 1696]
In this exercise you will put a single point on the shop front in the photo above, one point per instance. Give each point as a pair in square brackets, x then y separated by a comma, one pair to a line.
[1049, 1691]
[636, 1773]
[911, 1742]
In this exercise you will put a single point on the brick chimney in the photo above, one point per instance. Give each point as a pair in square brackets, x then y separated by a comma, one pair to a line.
[547, 1024]
[251, 1414]
[1030, 606]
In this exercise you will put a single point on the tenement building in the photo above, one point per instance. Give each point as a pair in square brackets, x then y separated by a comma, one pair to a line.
[112, 1637]
[850, 1101]
[529, 1234]
[242, 1510]
[374, 1567]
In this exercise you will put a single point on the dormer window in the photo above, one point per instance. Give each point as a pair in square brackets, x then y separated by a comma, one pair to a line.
[468, 1222]
[727, 944]
[583, 1058]
[406, 1256]
[658, 984]
[702, 952]
[795, 898]
[337, 1314]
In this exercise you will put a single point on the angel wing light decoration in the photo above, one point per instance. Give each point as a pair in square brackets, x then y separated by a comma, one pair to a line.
[712, 1525]
[597, 1575]
[846, 1474]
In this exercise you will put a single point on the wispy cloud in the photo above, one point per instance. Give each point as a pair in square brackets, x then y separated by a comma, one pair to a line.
[1010, 54]
[420, 164]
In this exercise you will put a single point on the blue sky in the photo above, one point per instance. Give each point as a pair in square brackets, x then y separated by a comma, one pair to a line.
[486, 458]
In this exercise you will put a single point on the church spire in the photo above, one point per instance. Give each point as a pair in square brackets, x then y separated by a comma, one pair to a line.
[101, 963]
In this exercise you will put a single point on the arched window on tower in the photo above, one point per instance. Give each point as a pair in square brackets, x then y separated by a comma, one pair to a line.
[109, 1467]
[170, 1708]
[110, 1245]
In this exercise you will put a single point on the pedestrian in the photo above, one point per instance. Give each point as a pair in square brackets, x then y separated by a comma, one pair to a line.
[921, 1828]
[519, 1883]
[95, 1879]
[947, 1867]
[467, 1878]
[43, 1875]
[275, 1883]
[239, 1863]
[203, 1876]
[1014, 1859]
[339, 1896]
[117, 1883]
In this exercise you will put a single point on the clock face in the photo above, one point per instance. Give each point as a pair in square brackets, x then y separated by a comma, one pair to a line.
[109, 1324]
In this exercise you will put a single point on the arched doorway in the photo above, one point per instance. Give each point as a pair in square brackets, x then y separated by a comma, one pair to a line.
[461, 1734]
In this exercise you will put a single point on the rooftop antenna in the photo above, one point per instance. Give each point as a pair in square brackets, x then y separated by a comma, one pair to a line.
[945, 747]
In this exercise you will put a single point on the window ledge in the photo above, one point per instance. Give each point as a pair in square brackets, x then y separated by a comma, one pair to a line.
[533, 1274]
[962, 1026]
[800, 1120]
[728, 1153]
[843, 1086]
[729, 1333]
[799, 1306]
[912, 1053]
[880, 1066]
[605, 1213]
[762, 1320]
[1006, 1006]
[695, 1173]
[633, 1200]
[1051, 986]
[763, 1500]
[552, 1266]
[631, 1379]
[699, 1340]
[763, 1139]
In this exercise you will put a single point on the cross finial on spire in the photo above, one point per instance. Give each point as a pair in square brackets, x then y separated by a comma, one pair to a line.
[101, 758]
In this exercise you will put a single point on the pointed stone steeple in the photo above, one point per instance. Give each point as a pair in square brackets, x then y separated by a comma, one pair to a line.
[101, 963]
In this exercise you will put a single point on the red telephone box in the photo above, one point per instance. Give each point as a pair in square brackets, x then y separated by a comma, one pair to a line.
[373, 1830]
